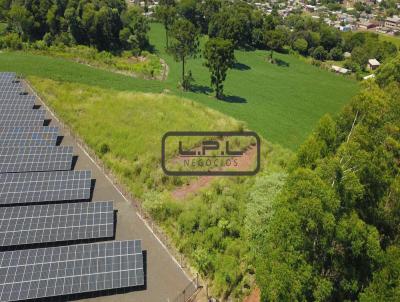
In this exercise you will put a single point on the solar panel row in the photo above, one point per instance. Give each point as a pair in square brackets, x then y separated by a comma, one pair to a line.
[33, 170]
[56, 271]
[53, 223]
[28, 140]
[26, 159]
[35, 187]
[28, 130]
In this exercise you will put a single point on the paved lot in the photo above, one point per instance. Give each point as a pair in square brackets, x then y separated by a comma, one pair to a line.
[165, 279]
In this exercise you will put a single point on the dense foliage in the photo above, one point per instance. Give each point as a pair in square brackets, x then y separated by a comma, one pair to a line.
[332, 232]
[105, 24]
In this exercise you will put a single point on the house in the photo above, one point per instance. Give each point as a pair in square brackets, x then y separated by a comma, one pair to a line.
[366, 25]
[373, 64]
[393, 23]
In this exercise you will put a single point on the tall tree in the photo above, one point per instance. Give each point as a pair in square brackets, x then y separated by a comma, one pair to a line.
[134, 33]
[184, 44]
[219, 55]
[274, 41]
[166, 13]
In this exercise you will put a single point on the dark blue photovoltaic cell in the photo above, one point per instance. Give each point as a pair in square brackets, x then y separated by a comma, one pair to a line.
[72, 269]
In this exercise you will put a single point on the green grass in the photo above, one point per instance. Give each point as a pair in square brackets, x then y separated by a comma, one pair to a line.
[393, 39]
[65, 70]
[281, 102]
[130, 124]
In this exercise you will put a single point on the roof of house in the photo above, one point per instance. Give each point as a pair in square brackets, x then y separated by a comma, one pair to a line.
[394, 19]
[373, 62]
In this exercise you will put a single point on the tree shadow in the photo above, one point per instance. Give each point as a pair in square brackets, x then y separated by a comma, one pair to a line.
[233, 99]
[200, 89]
[241, 66]
[281, 62]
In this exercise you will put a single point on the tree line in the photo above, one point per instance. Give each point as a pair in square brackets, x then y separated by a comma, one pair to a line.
[331, 225]
[233, 25]
[107, 24]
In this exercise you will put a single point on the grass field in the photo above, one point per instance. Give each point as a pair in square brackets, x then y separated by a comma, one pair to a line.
[125, 128]
[395, 40]
[282, 102]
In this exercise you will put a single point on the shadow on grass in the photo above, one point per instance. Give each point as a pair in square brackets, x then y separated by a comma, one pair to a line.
[240, 66]
[233, 99]
[281, 63]
[201, 89]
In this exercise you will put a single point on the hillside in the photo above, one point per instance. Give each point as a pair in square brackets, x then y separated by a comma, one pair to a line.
[281, 102]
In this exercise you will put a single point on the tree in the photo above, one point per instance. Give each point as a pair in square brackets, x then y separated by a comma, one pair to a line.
[165, 13]
[134, 34]
[360, 56]
[336, 54]
[332, 232]
[300, 45]
[184, 44]
[20, 20]
[389, 72]
[219, 55]
[319, 53]
[274, 40]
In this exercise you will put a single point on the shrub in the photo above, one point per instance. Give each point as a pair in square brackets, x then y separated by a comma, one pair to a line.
[319, 53]
[104, 148]
[300, 45]
[336, 54]
[12, 41]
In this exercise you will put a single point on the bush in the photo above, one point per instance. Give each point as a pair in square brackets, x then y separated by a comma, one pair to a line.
[336, 54]
[104, 148]
[12, 41]
[300, 45]
[319, 53]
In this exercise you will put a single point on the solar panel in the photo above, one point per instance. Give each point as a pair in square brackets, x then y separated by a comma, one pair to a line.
[21, 139]
[12, 94]
[19, 105]
[27, 130]
[11, 85]
[12, 98]
[72, 269]
[8, 76]
[28, 117]
[20, 188]
[26, 159]
[6, 88]
[56, 222]
[21, 113]
[30, 122]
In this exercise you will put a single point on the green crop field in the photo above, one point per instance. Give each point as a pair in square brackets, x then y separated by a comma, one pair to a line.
[282, 102]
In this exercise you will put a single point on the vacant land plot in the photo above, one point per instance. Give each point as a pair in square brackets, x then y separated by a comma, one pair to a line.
[125, 128]
[280, 101]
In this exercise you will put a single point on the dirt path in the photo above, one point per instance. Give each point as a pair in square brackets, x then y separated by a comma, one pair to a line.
[201, 182]
[254, 296]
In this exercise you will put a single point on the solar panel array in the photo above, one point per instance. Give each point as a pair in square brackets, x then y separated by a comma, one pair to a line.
[28, 139]
[22, 188]
[30, 159]
[56, 222]
[37, 186]
[38, 273]
[28, 130]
